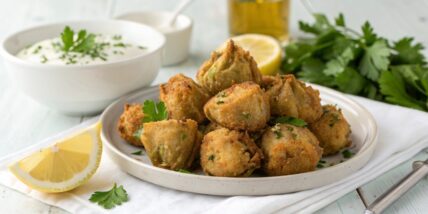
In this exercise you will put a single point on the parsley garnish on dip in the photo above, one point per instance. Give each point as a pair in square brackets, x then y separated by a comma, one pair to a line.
[81, 48]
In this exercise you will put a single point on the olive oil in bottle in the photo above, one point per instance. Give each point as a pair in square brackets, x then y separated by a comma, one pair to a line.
[268, 17]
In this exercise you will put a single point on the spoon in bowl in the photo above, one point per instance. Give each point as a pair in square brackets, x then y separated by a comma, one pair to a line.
[171, 20]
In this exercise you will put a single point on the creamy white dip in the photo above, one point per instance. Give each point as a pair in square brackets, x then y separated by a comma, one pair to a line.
[111, 48]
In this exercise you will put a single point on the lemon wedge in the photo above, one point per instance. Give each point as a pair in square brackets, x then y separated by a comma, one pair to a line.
[66, 165]
[265, 50]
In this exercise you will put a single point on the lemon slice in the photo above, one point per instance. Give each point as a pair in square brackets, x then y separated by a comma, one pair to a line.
[66, 165]
[265, 50]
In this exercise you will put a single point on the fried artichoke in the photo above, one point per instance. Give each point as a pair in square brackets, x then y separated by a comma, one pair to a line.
[230, 66]
[229, 153]
[243, 106]
[332, 130]
[171, 144]
[289, 150]
[184, 98]
[130, 123]
[291, 97]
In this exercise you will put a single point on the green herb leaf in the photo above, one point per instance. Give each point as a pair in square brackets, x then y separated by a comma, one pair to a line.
[369, 36]
[185, 171]
[413, 76]
[347, 154]
[365, 65]
[139, 152]
[211, 157]
[138, 133]
[350, 81]
[109, 199]
[392, 85]
[84, 43]
[67, 37]
[340, 20]
[338, 65]
[375, 60]
[312, 71]
[154, 111]
[291, 120]
[406, 53]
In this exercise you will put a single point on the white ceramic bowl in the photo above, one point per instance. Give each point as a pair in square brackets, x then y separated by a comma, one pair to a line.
[177, 38]
[364, 139]
[83, 89]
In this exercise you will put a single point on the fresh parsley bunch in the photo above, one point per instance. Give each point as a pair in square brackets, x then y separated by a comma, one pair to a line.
[362, 64]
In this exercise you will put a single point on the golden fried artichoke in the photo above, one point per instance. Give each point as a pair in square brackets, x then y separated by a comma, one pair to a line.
[332, 130]
[229, 153]
[171, 144]
[230, 66]
[289, 150]
[291, 97]
[183, 98]
[130, 122]
[243, 106]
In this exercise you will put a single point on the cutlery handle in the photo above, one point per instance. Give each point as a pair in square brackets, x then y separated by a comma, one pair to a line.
[420, 169]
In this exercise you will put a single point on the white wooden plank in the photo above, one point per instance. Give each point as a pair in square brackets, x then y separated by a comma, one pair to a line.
[414, 201]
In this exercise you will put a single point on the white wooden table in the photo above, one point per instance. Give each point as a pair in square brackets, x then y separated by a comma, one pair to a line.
[24, 122]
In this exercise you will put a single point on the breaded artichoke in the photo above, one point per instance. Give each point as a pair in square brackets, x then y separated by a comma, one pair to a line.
[291, 97]
[230, 66]
[184, 99]
[332, 130]
[130, 122]
[289, 150]
[171, 144]
[243, 106]
[229, 153]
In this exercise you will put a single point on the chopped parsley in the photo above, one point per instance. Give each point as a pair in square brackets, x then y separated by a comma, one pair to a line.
[183, 136]
[44, 59]
[291, 120]
[211, 157]
[139, 152]
[121, 45]
[109, 199]
[294, 136]
[347, 154]
[220, 102]
[184, 171]
[37, 49]
[117, 37]
[333, 120]
[277, 131]
[138, 133]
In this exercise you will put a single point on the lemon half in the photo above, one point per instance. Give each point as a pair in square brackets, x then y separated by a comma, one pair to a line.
[66, 165]
[265, 50]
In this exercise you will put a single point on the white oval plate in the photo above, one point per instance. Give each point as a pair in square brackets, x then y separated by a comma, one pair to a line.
[364, 138]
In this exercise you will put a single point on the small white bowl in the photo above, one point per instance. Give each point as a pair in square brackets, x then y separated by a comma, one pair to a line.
[83, 89]
[177, 37]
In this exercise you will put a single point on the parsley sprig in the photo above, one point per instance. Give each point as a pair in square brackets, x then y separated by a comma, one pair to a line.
[154, 111]
[84, 43]
[289, 120]
[361, 63]
[109, 199]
